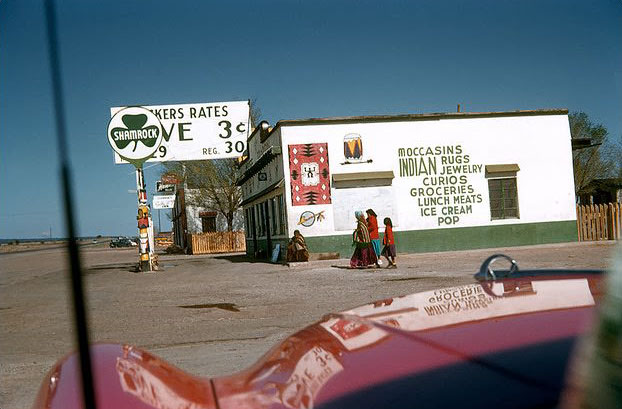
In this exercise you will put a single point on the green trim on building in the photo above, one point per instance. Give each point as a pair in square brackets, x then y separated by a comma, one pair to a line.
[461, 238]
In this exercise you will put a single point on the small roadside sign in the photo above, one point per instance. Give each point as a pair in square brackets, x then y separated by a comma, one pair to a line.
[165, 188]
[170, 179]
[163, 201]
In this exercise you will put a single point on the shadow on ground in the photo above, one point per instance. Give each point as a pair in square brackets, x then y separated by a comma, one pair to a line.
[227, 306]
[129, 267]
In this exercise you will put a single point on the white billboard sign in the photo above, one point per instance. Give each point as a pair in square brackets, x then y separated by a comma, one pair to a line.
[163, 201]
[200, 131]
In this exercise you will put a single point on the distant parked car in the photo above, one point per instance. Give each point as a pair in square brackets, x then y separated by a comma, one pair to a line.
[122, 242]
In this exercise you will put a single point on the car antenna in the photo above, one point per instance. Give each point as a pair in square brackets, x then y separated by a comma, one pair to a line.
[79, 301]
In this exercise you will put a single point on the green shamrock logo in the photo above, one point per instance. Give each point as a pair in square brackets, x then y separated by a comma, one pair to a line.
[134, 131]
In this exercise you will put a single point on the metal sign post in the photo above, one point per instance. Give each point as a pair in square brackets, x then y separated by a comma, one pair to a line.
[135, 134]
[162, 133]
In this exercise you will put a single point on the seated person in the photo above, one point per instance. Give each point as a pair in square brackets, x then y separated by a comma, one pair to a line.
[297, 248]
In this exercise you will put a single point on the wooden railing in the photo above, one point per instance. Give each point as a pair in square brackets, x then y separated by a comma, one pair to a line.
[599, 222]
[217, 242]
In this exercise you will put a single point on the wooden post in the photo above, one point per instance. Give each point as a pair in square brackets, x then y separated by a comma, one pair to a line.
[599, 223]
[596, 223]
[578, 210]
[601, 230]
[617, 220]
[590, 216]
[604, 221]
[583, 228]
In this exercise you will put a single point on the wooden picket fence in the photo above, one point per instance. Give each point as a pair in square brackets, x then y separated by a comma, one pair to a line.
[599, 222]
[217, 242]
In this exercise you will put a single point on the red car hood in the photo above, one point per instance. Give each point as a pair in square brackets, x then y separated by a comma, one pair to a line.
[516, 333]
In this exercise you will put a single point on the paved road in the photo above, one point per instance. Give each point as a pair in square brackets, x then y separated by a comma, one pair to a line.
[235, 309]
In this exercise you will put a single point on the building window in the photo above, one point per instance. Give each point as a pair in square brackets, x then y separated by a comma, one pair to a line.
[273, 217]
[503, 192]
[262, 220]
[253, 221]
[281, 214]
[257, 220]
[247, 223]
[208, 221]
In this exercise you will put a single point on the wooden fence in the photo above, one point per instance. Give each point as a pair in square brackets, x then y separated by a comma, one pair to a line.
[217, 242]
[599, 222]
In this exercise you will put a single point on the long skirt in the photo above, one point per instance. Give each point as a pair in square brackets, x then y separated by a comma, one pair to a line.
[363, 256]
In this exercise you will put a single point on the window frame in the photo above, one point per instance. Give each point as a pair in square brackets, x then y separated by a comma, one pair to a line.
[274, 221]
[501, 172]
[503, 209]
[262, 220]
[247, 222]
[282, 222]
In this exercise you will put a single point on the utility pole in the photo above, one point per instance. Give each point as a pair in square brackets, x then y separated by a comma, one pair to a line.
[136, 146]
[145, 247]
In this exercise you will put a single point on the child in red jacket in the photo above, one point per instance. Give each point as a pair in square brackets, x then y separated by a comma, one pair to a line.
[389, 243]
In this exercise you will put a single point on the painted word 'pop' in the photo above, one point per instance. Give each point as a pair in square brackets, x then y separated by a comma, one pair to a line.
[450, 214]
[448, 220]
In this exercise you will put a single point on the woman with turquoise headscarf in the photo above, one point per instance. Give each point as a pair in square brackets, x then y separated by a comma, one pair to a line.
[364, 254]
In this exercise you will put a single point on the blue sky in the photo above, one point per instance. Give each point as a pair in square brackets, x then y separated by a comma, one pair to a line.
[298, 59]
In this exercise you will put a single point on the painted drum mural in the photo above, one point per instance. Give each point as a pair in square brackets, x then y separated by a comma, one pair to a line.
[353, 147]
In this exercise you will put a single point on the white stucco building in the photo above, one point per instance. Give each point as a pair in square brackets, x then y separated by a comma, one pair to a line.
[448, 181]
[190, 219]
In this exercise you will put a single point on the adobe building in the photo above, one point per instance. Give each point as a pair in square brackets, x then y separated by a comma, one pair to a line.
[448, 181]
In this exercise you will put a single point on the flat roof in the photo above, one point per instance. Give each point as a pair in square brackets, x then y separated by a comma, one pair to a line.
[435, 116]
[420, 117]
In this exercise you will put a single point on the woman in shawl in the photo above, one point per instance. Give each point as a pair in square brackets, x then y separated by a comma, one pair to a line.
[297, 248]
[364, 254]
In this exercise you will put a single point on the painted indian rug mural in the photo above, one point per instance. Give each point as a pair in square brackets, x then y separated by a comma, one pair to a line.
[309, 174]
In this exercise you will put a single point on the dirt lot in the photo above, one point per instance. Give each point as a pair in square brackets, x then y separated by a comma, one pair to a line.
[239, 308]
[23, 246]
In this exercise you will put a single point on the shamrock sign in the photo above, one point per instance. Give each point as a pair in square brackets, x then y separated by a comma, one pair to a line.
[135, 133]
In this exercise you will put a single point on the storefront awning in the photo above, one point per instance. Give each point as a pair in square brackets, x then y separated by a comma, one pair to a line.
[511, 167]
[508, 169]
[363, 179]
[388, 174]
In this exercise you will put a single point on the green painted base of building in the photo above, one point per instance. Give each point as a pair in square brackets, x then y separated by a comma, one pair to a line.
[462, 238]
